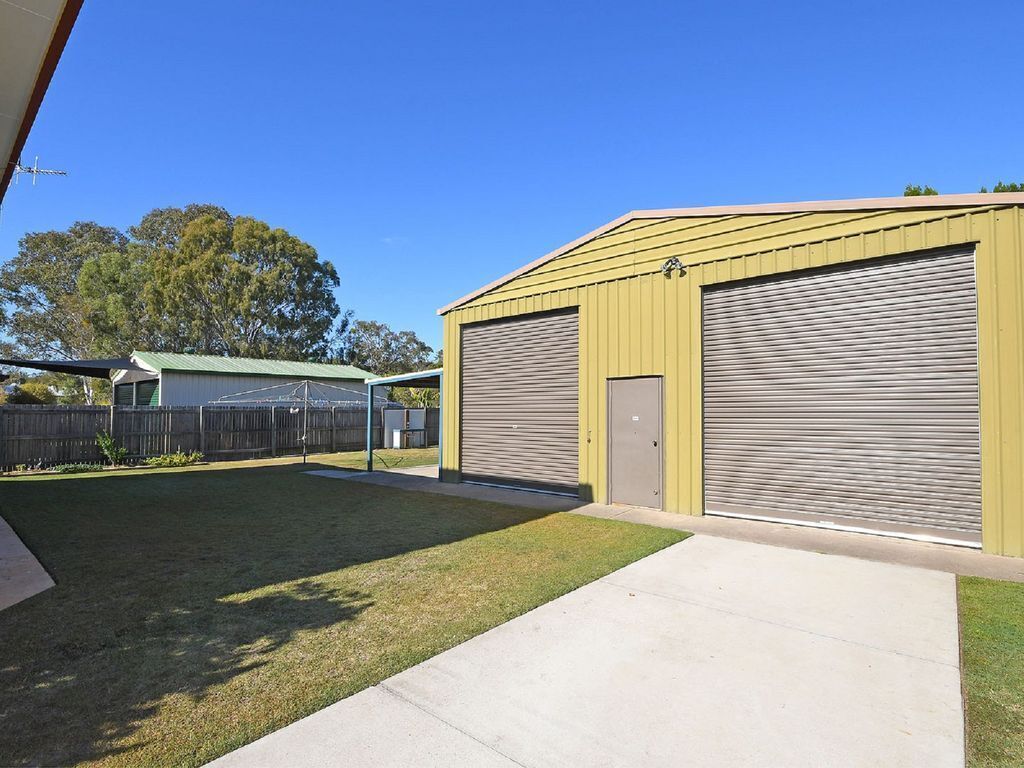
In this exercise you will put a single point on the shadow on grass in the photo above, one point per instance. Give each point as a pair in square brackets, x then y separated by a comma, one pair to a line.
[169, 585]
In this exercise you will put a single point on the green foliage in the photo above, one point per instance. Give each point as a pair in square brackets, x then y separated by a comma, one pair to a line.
[47, 388]
[34, 391]
[44, 314]
[192, 279]
[1003, 187]
[115, 453]
[73, 469]
[415, 398]
[176, 459]
[162, 228]
[375, 347]
[111, 288]
[914, 190]
[238, 287]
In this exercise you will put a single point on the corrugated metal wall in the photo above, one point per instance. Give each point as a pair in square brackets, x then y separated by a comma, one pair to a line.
[177, 388]
[634, 321]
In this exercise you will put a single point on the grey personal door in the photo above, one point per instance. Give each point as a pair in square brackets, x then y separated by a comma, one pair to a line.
[635, 441]
[847, 396]
[519, 418]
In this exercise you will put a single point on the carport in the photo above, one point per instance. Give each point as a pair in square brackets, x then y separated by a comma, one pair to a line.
[430, 379]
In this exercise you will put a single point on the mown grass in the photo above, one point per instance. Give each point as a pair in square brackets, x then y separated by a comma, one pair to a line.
[992, 641]
[383, 458]
[198, 609]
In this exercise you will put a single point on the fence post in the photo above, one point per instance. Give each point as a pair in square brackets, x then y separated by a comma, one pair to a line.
[273, 430]
[111, 421]
[334, 429]
[202, 434]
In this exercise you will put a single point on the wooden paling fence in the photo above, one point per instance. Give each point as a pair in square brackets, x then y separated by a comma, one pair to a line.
[47, 435]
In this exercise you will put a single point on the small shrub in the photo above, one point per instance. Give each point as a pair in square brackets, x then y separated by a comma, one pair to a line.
[115, 453]
[176, 459]
[71, 469]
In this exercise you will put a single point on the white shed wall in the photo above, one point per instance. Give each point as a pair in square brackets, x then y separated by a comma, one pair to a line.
[183, 388]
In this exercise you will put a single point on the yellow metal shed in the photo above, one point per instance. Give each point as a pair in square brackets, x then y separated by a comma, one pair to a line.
[637, 291]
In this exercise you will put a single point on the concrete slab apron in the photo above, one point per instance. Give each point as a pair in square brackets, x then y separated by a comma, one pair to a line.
[712, 652]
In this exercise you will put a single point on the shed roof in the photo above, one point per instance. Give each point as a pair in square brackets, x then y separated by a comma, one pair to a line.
[247, 366]
[987, 199]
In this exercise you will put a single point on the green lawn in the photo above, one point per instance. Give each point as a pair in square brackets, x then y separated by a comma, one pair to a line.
[196, 610]
[383, 458]
[992, 638]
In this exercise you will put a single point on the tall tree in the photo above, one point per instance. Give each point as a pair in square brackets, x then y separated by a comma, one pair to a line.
[162, 228]
[238, 287]
[916, 190]
[45, 313]
[187, 279]
[111, 289]
[377, 348]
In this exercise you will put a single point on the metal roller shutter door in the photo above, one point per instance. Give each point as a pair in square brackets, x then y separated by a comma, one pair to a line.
[520, 402]
[847, 396]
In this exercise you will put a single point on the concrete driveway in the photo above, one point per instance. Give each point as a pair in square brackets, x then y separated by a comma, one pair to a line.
[710, 653]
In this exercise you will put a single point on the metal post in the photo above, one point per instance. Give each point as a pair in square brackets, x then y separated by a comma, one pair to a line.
[305, 419]
[440, 420]
[369, 427]
[334, 429]
[273, 430]
[202, 433]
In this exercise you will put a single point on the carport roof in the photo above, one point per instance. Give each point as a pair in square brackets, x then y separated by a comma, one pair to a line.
[861, 204]
[419, 379]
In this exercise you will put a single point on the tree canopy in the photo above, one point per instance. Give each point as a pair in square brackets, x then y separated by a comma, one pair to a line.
[375, 347]
[193, 279]
[914, 190]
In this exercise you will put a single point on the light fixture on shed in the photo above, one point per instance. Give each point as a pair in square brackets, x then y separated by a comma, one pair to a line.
[673, 264]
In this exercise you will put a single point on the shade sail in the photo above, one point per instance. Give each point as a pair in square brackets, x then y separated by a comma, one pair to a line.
[100, 369]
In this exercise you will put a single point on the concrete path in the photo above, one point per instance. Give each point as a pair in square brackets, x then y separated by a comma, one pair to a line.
[885, 549]
[712, 652]
[939, 557]
[424, 480]
[21, 575]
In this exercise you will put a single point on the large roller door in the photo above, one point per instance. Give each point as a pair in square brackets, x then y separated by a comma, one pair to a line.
[847, 396]
[520, 402]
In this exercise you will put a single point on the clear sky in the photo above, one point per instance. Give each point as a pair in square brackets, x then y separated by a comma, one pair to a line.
[427, 148]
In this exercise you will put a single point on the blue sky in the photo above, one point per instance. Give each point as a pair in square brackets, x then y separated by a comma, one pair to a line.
[426, 149]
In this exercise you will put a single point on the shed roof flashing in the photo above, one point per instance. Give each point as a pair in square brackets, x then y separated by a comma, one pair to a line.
[985, 199]
[246, 366]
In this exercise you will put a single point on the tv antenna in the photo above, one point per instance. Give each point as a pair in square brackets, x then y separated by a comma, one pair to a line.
[35, 171]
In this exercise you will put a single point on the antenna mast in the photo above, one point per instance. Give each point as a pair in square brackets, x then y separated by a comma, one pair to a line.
[35, 171]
